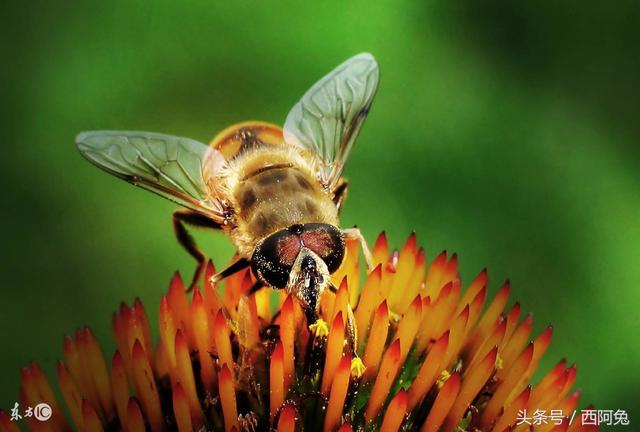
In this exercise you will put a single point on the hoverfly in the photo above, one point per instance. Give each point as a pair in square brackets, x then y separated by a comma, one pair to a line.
[276, 193]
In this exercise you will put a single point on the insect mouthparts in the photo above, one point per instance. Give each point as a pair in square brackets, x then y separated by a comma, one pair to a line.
[308, 263]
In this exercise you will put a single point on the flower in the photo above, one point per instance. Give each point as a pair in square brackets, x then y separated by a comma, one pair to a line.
[426, 358]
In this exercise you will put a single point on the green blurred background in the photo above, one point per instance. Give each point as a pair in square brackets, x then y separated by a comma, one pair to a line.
[507, 132]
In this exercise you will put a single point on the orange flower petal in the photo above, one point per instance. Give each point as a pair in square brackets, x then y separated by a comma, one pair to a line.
[432, 282]
[429, 371]
[167, 331]
[515, 345]
[335, 344]
[408, 327]
[377, 339]
[146, 387]
[177, 297]
[181, 409]
[395, 413]
[71, 394]
[505, 388]
[203, 339]
[370, 298]
[90, 418]
[6, 424]
[228, 399]
[471, 386]
[134, 419]
[287, 335]
[443, 403]
[120, 386]
[456, 336]
[287, 420]
[388, 371]
[339, 389]
[221, 337]
[276, 380]
[184, 375]
[509, 416]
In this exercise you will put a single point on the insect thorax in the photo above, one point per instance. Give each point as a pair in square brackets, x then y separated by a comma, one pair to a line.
[275, 197]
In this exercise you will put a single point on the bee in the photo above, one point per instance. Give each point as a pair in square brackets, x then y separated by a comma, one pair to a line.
[276, 192]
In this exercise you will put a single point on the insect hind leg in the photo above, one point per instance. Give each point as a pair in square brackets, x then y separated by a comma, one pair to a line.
[181, 218]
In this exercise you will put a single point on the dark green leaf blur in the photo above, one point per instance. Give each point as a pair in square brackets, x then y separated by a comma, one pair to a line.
[504, 131]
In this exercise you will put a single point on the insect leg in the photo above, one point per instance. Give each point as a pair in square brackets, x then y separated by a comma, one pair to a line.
[355, 234]
[187, 217]
[256, 287]
[240, 264]
[340, 194]
[331, 287]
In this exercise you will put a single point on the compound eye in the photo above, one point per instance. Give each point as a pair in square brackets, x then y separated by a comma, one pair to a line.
[273, 258]
[326, 241]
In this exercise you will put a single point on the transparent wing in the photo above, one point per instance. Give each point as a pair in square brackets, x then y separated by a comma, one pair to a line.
[329, 116]
[180, 169]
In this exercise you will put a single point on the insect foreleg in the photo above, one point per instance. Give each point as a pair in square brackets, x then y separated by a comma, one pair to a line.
[331, 287]
[187, 217]
[240, 264]
[355, 234]
[257, 286]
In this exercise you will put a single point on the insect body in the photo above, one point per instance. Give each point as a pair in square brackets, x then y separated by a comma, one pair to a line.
[275, 192]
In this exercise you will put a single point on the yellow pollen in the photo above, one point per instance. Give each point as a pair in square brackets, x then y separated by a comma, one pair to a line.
[234, 326]
[498, 362]
[357, 367]
[444, 376]
[319, 328]
[394, 317]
